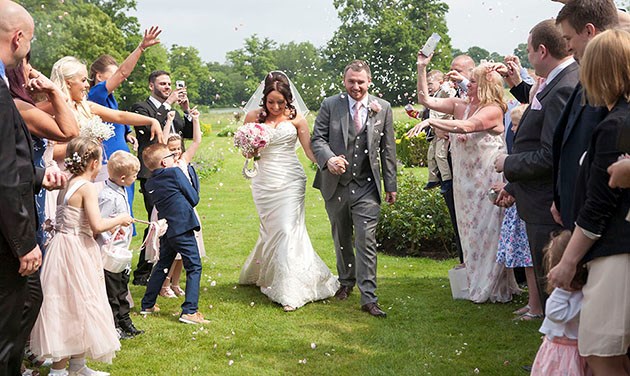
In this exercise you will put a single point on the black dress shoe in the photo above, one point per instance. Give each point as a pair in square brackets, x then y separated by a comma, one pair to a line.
[122, 334]
[140, 281]
[131, 330]
[431, 185]
[374, 310]
[343, 292]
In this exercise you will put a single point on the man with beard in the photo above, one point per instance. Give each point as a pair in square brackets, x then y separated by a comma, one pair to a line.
[157, 106]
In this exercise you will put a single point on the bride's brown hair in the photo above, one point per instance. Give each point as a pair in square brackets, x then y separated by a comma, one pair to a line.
[279, 82]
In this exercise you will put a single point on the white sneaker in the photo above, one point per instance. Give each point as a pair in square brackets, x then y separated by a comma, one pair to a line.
[193, 318]
[86, 371]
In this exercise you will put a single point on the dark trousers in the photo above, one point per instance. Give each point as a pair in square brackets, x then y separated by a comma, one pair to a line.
[447, 194]
[20, 299]
[117, 289]
[186, 245]
[143, 268]
[538, 236]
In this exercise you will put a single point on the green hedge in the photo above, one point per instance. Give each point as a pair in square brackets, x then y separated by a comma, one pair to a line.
[412, 152]
[418, 224]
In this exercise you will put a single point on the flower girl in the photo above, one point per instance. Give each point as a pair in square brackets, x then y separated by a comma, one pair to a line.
[75, 320]
[558, 354]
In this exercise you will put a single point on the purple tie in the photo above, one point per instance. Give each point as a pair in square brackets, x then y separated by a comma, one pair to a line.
[357, 117]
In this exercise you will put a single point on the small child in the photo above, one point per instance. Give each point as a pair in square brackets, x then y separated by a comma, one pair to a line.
[183, 158]
[174, 198]
[75, 321]
[437, 154]
[558, 354]
[123, 170]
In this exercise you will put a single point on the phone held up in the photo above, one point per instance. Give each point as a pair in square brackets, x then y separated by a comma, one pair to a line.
[430, 45]
[180, 84]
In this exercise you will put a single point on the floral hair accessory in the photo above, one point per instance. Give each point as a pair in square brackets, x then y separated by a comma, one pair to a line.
[70, 162]
[375, 107]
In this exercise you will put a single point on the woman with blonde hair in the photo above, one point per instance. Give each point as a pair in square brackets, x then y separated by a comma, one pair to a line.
[476, 140]
[600, 238]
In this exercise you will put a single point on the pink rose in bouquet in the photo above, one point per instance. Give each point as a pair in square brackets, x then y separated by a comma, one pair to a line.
[250, 138]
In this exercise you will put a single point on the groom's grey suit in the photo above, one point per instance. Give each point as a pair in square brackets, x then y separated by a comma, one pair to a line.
[353, 199]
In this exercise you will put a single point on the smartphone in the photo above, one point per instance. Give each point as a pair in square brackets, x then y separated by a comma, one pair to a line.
[430, 45]
[180, 84]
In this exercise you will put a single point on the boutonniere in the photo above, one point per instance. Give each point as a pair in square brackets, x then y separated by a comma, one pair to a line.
[374, 108]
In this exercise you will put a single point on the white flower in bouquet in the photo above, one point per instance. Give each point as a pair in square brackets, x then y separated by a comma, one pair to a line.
[96, 128]
[251, 138]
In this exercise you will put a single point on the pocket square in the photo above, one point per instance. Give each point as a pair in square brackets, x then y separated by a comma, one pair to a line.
[377, 122]
[536, 105]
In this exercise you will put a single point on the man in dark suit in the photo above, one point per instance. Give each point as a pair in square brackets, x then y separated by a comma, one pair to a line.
[20, 255]
[579, 21]
[175, 198]
[157, 106]
[529, 168]
[353, 141]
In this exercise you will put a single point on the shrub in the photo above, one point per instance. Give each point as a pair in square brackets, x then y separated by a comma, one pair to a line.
[412, 151]
[206, 128]
[226, 132]
[208, 161]
[402, 127]
[418, 224]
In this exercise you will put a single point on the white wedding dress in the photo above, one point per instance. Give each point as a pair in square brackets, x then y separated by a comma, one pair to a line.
[283, 262]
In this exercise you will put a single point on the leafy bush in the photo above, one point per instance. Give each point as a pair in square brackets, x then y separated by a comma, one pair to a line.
[412, 151]
[418, 224]
[226, 132]
[402, 127]
[206, 128]
[207, 162]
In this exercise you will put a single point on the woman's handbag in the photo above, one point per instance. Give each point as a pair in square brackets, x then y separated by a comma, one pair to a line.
[459, 282]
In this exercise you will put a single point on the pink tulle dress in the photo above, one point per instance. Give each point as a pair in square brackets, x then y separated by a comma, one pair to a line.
[75, 317]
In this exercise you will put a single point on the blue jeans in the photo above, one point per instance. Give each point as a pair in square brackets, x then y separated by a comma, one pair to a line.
[186, 245]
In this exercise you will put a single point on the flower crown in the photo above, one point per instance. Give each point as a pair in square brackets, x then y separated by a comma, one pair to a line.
[74, 163]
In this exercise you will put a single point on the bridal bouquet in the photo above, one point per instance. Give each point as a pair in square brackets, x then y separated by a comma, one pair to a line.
[96, 128]
[250, 139]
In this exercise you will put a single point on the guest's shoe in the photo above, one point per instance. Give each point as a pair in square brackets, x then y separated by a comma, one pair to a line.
[431, 185]
[374, 310]
[521, 311]
[122, 335]
[167, 292]
[85, 371]
[140, 281]
[343, 292]
[528, 316]
[148, 311]
[446, 186]
[178, 290]
[193, 318]
[131, 330]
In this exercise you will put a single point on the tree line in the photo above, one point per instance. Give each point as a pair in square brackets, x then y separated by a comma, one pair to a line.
[385, 33]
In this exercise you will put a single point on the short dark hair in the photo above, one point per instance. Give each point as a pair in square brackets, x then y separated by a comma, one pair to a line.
[548, 34]
[157, 73]
[602, 14]
[358, 66]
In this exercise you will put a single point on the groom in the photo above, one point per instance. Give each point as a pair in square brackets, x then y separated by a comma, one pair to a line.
[353, 132]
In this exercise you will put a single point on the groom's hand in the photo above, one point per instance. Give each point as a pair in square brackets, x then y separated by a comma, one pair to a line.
[337, 165]
[390, 197]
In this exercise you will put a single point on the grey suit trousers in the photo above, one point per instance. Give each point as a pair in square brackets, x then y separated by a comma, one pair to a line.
[354, 210]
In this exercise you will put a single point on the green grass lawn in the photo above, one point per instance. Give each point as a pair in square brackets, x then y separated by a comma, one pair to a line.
[425, 333]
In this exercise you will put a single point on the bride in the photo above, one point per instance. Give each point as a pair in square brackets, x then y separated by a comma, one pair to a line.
[283, 262]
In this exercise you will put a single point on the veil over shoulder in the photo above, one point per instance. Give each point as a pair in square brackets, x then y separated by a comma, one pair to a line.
[256, 99]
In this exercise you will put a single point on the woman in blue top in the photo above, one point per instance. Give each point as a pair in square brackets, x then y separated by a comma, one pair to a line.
[105, 77]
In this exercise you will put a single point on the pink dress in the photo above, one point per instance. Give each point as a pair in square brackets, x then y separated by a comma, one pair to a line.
[75, 317]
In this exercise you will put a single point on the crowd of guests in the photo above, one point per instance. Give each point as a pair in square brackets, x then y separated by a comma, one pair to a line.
[562, 180]
[538, 182]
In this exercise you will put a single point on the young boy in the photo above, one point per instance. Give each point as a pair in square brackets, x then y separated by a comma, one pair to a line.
[437, 154]
[174, 198]
[122, 168]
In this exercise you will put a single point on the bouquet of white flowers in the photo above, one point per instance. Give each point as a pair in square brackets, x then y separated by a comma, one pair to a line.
[96, 128]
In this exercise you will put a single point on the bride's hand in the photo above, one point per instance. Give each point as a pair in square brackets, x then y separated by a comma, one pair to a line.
[337, 165]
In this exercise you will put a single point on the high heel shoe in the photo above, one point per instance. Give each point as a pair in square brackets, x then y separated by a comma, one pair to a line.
[167, 292]
[178, 290]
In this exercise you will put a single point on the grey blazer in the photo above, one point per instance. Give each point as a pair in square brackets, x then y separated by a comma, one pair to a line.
[330, 138]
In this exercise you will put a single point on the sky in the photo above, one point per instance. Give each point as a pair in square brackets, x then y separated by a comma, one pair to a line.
[497, 26]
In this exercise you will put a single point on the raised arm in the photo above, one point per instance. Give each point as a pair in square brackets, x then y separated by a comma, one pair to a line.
[61, 125]
[191, 150]
[488, 118]
[90, 204]
[127, 66]
[129, 118]
[444, 105]
[168, 125]
[304, 135]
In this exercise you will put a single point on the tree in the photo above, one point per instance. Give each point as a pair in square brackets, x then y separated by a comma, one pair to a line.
[186, 65]
[521, 52]
[478, 54]
[253, 61]
[387, 34]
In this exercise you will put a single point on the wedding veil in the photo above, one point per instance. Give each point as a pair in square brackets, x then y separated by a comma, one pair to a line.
[256, 99]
